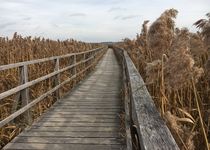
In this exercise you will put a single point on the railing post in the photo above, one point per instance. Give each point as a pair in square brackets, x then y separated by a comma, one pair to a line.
[84, 64]
[75, 69]
[93, 55]
[57, 78]
[24, 94]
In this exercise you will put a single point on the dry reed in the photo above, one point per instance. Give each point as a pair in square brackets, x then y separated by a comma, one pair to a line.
[20, 49]
[174, 63]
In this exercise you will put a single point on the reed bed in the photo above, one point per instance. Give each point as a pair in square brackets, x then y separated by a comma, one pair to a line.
[175, 65]
[20, 49]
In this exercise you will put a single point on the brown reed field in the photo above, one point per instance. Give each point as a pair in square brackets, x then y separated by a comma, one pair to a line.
[175, 65]
[20, 49]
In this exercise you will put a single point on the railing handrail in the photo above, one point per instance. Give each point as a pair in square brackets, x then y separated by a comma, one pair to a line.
[33, 82]
[35, 61]
[152, 131]
[23, 88]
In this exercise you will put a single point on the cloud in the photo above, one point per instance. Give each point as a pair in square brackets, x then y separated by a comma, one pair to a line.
[117, 17]
[77, 15]
[113, 9]
[27, 18]
[129, 17]
[125, 17]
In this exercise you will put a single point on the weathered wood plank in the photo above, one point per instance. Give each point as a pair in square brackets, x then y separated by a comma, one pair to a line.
[97, 90]
[95, 107]
[94, 119]
[85, 129]
[87, 110]
[75, 124]
[36, 146]
[68, 105]
[79, 112]
[97, 96]
[152, 130]
[89, 98]
[89, 94]
[112, 102]
[92, 116]
[77, 134]
[67, 140]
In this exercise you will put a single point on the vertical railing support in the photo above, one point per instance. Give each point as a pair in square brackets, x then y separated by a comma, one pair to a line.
[84, 64]
[57, 78]
[75, 69]
[24, 94]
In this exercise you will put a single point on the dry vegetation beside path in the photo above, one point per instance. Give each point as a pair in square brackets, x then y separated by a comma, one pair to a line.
[175, 65]
[20, 49]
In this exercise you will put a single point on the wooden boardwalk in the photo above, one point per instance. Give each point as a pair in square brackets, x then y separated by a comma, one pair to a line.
[86, 119]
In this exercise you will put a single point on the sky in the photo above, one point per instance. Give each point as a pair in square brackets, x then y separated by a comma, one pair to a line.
[92, 20]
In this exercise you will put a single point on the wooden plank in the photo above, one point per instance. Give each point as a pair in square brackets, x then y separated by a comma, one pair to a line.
[99, 84]
[80, 120]
[85, 129]
[97, 96]
[87, 102]
[69, 102]
[92, 104]
[67, 140]
[97, 90]
[87, 110]
[79, 116]
[75, 124]
[96, 107]
[36, 146]
[68, 105]
[103, 82]
[89, 98]
[84, 112]
[152, 130]
[71, 134]
[95, 93]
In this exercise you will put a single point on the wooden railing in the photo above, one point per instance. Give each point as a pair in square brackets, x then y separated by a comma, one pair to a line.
[148, 130]
[23, 89]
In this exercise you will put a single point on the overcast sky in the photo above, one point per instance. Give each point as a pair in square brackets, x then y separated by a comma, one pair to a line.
[92, 20]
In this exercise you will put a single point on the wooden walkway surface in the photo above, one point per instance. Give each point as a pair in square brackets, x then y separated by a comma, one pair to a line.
[86, 119]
